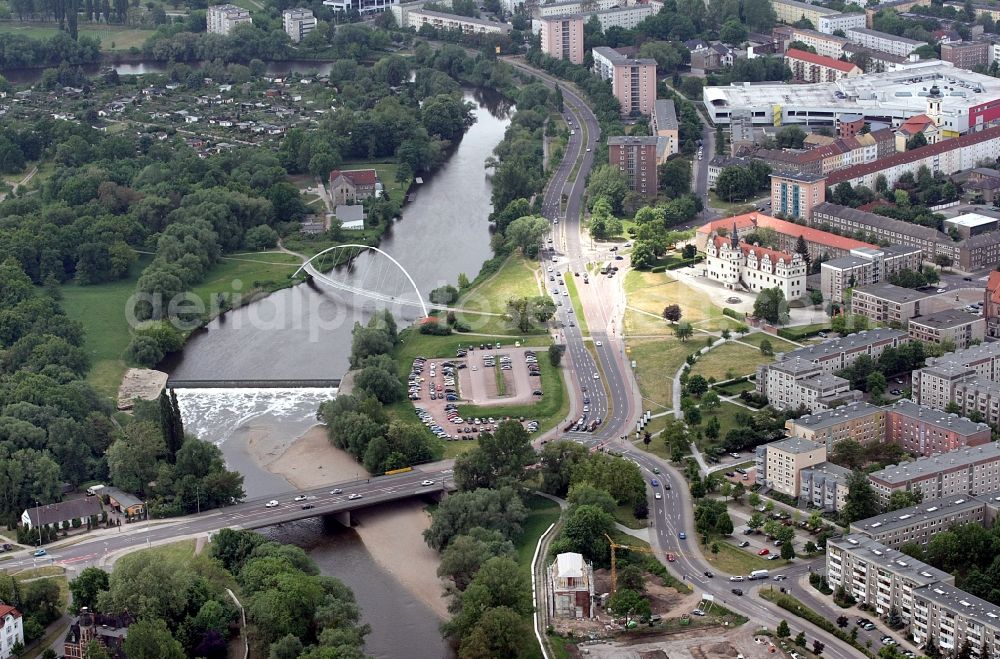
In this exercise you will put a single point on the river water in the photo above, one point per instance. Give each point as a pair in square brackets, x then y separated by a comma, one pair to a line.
[305, 333]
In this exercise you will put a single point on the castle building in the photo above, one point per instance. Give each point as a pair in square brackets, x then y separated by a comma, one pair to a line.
[738, 264]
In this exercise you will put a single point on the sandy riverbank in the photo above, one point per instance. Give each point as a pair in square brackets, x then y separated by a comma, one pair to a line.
[393, 535]
[309, 461]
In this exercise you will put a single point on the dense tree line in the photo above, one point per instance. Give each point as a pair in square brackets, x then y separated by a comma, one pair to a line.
[20, 51]
[181, 608]
[969, 551]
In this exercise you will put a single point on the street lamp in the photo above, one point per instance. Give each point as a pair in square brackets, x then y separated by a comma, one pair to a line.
[38, 521]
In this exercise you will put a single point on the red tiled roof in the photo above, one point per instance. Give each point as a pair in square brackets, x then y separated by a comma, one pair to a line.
[822, 60]
[356, 176]
[993, 286]
[915, 124]
[5, 609]
[912, 156]
[810, 234]
[774, 254]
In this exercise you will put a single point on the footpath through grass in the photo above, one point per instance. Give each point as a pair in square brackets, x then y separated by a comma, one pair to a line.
[514, 279]
[728, 361]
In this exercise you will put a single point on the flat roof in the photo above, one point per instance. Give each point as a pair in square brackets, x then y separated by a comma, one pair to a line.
[891, 292]
[966, 356]
[945, 508]
[925, 467]
[946, 319]
[903, 91]
[961, 603]
[970, 220]
[642, 140]
[805, 6]
[664, 114]
[884, 35]
[954, 422]
[846, 343]
[504, 27]
[892, 560]
[827, 418]
[880, 221]
[794, 445]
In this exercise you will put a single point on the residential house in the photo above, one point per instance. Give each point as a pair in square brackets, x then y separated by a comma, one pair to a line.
[352, 185]
[61, 514]
[108, 630]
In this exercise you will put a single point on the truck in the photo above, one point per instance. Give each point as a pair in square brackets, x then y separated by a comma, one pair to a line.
[759, 574]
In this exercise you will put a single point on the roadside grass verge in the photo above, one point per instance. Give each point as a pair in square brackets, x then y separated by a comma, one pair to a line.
[574, 296]
[797, 608]
[733, 560]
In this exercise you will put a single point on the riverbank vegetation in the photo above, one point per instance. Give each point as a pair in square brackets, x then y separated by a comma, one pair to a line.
[177, 604]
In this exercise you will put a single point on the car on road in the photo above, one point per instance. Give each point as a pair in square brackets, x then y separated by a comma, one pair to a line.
[354, 497]
[764, 552]
[671, 558]
[887, 640]
[301, 497]
[773, 557]
[336, 490]
[654, 482]
[597, 376]
[426, 483]
[656, 470]
[271, 504]
[307, 506]
[745, 543]
[598, 344]
[40, 552]
[942, 290]
[738, 592]
[658, 495]
[709, 573]
[780, 577]
[682, 535]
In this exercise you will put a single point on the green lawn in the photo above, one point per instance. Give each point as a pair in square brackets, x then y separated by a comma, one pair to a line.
[112, 38]
[240, 275]
[779, 344]
[733, 560]
[516, 278]
[728, 361]
[734, 389]
[624, 515]
[574, 296]
[657, 360]
[649, 292]
[726, 414]
[733, 208]
[541, 513]
[101, 310]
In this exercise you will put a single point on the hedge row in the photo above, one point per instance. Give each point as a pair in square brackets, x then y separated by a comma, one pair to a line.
[733, 313]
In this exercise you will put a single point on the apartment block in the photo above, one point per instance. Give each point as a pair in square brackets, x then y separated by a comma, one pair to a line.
[562, 37]
[824, 486]
[927, 431]
[887, 304]
[830, 23]
[882, 41]
[847, 151]
[852, 221]
[663, 124]
[633, 81]
[877, 61]
[879, 576]
[953, 617]
[544, 10]
[923, 521]
[795, 195]
[827, 45]
[636, 158]
[810, 67]
[298, 23]
[859, 421]
[864, 267]
[966, 54]
[417, 18]
[780, 463]
[934, 385]
[221, 19]
[972, 470]
[961, 328]
[369, 7]
[825, 20]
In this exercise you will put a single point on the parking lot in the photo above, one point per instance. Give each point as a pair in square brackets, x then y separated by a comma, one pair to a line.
[480, 376]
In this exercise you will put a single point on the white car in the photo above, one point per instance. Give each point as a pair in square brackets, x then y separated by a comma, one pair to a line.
[301, 497]
[427, 482]
[354, 496]
[337, 491]
[658, 495]
[271, 504]
[597, 376]
[598, 344]
[941, 290]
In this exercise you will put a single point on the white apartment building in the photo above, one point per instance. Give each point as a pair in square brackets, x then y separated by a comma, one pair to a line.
[923, 521]
[221, 19]
[935, 384]
[876, 575]
[832, 22]
[298, 23]
[11, 630]
[780, 463]
[417, 18]
[737, 264]
[882, 41]
[367, 7]
[828, 45]
[610, 13]
[961, 328]
[971, 470]
[951, 617]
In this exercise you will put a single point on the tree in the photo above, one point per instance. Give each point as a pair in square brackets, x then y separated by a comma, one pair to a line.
[683, 331]
[770, 305]
[876, 384]
[782, 630]
[672, 313]
[904, 499]
[584, 533]
[86, 587]
[555, 353]
[733, 32]
[500, 509]
[500, 632]
[461, 560]
[697, 385]
[499, 459]
[628, 604]
[766, 348]
[632, 578]
[787, 551]
[499, 582]
[800, 639]
[609, 182]
[860, 502]
[818, 647]
[526, 234]
[150, 639]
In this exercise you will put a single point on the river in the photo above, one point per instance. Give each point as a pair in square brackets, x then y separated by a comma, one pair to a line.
[305, 333]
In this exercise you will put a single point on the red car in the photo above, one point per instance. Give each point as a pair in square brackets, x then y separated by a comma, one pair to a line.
[671, 558]
[764, 552]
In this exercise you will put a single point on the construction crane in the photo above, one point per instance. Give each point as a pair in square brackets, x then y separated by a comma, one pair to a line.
[614, 568]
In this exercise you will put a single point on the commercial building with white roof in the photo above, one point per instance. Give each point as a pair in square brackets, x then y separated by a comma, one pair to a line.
[968, 99]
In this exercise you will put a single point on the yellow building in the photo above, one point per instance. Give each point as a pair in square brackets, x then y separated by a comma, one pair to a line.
[779, 464]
